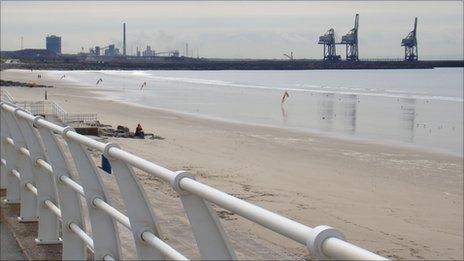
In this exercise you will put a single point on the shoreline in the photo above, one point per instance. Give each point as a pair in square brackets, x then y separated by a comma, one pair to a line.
[314, 133]
[378, 195]
[392, 144]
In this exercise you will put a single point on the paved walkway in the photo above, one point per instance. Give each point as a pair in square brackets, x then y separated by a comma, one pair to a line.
[10, 249]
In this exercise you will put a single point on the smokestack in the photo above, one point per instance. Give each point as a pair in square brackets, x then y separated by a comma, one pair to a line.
[124, 39]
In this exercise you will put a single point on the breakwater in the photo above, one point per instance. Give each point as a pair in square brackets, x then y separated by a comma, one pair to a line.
[226, 64]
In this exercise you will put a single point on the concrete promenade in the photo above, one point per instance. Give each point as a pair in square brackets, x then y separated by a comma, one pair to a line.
[17, 239]
[10, 249]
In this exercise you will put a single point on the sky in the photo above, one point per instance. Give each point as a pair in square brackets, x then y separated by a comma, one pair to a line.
[242, 29]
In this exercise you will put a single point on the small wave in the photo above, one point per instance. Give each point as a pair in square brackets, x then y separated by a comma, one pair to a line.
[140, 73]
[311, 88]
[315, 89]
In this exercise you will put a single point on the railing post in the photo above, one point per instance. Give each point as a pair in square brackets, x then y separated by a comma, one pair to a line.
[138, 207]
[210, 236]
[3, 168]
[70, 202]
[104, 228]
[28, 200]
[11, 156]
[48, 222]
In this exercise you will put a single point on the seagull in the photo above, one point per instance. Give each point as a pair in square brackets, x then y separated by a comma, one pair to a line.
[143, 85]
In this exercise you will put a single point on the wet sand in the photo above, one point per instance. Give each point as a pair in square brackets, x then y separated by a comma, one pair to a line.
[399, 202]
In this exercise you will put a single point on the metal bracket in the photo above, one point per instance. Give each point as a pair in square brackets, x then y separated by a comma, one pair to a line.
[317, 237]
[210, 236]
[139, 210]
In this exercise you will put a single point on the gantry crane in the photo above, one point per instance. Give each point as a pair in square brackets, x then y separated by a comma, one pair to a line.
[410, 45]
[328, 40]
[351, 41]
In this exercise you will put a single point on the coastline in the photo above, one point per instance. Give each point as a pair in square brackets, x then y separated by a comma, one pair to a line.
[187, 63]
[361, 135]
[379, 195]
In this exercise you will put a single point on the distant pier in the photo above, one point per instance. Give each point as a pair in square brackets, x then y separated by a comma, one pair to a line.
[183, 63]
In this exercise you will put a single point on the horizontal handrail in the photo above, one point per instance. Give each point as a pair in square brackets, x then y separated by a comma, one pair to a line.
[24, 151]
[164, 248]
[42, 163]
[56, 210]
[10, 141]
[123, 219]
[16, 174]
[82, 235]
[72, 184]
[32, 188]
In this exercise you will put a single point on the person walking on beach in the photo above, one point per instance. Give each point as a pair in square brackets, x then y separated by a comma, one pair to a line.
[139, 132]
[99, 80]
[284, 97]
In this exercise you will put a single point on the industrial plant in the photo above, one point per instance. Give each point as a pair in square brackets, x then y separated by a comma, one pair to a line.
[96, 53]
[328, 40]
[111, 57]
[53, 44]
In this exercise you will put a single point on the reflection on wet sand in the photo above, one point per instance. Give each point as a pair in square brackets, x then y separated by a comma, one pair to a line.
[284, 113]
[326, 111]
[349, 112]
[408, 118]
[338, 112]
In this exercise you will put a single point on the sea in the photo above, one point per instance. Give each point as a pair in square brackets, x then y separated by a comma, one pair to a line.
[421, 108]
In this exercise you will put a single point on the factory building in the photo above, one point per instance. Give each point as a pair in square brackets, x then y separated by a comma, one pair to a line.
[110, 50]
[148, 51]
[53, 44]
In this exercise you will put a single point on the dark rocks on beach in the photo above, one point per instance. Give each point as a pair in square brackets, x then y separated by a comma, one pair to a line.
[23, 84]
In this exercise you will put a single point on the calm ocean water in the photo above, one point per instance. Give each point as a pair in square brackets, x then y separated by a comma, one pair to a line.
[411, 107]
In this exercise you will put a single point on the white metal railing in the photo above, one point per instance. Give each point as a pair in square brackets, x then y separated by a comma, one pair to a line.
[51, 108]
[47, 107]
[6, 96]
[35, 172]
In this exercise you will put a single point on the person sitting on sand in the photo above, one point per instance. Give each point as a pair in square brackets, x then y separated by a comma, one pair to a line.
[139, 132]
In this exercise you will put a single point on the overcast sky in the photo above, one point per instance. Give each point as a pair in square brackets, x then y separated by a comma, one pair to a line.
[236, 29]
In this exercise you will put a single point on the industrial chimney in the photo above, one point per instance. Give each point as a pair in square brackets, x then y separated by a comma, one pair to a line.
[124, 39]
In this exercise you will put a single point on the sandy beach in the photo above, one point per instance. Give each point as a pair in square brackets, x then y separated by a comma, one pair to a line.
[399, 202]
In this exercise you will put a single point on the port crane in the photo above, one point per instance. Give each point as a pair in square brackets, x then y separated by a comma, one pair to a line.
[410, 44]
[351, 41]
[328, 40]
